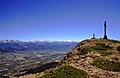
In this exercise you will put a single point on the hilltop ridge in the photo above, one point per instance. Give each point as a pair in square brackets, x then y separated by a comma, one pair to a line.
[100, 58]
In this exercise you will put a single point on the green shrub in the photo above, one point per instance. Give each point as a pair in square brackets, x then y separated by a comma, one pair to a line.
[79, 49]
[101, 46]
[107, 65]
[85, 50]
[66, 72]
[104, 53]
[118, 48]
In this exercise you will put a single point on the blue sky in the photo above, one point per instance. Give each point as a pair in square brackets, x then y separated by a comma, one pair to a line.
[58, 19]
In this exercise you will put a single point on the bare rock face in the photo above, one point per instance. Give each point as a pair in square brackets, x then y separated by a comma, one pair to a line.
[100, 58]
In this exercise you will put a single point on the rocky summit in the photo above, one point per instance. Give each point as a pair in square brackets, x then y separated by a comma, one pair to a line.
[91, 58]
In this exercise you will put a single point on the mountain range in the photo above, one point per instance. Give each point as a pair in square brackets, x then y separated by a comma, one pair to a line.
[17, 57]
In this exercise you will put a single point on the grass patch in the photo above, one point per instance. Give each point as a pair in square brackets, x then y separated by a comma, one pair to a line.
[86, 50]
[107, 65]
[101, 46]
[104, 53]
[66, 72]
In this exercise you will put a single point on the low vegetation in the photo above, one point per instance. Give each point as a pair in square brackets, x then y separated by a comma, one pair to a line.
[86, 50]
[66, 72]
[99, 46]
[114, 41]
[104, 53]
[107, 65]
[118, 48]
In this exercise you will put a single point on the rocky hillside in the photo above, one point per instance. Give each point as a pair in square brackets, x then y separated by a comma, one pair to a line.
[92, 58]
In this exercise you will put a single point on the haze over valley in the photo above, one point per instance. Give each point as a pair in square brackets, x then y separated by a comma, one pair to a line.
[16, 57]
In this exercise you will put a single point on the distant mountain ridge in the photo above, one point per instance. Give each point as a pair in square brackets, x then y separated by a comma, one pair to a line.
[19, 56]
[38, 41]
[15, 45]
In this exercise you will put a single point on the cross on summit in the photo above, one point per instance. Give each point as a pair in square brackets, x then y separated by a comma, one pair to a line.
[105, 34]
